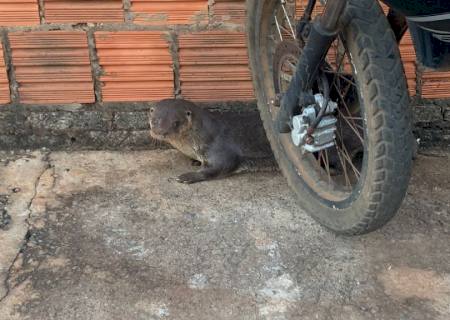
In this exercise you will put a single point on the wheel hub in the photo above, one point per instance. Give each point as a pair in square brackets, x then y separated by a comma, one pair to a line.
[284, 63]
[323, 137]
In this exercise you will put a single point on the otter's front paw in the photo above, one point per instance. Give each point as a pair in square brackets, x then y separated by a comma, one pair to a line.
[190, 177]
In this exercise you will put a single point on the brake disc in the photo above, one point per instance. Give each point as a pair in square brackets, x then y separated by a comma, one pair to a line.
[285, 60]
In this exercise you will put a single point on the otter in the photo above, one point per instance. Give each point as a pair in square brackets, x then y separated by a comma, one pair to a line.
[198, 134]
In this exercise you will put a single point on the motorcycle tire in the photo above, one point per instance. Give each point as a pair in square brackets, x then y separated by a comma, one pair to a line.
[381, 84]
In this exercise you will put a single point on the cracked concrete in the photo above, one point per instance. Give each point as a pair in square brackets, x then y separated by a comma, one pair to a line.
[107, 235]
[21, 175]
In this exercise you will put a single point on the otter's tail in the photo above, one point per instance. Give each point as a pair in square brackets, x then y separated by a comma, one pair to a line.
[266, 164]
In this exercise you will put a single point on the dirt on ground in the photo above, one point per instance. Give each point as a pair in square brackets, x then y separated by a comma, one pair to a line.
[109, 235]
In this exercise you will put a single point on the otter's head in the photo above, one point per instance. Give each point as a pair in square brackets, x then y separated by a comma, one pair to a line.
[168, 121]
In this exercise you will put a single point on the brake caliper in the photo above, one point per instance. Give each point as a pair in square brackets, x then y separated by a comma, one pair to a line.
[323, 136]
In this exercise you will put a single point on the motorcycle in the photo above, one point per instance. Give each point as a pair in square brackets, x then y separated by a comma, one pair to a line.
[332, 95]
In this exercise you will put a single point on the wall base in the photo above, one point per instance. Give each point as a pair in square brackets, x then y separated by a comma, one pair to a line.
[125, 126]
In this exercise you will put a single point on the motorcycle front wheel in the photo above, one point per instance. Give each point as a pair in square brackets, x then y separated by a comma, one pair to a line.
[357, 185]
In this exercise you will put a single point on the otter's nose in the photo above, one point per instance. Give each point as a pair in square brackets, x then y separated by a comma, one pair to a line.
[155, 127]
[159, 132]
[155, 124]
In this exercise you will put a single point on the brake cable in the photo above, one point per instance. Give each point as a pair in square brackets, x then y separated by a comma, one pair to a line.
[323, 109]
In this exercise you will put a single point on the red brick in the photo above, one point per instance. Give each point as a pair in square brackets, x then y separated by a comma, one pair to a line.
[435, 84]
[4, 83]
[52, 67]
[137, 66]
[300, 8]
[214, 67]
[409, 62]
[229, 11]
[19, 12]
[74, 11]
[170, 12]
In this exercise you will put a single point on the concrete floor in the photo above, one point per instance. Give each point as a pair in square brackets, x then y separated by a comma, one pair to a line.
[107, 235]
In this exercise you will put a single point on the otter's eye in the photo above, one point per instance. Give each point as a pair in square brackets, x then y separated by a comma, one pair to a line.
[188, 113]
[152, 110]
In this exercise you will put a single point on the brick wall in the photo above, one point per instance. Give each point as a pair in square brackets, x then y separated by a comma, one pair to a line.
[95, 51]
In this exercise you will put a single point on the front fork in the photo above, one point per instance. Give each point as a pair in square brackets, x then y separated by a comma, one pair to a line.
[322, 34]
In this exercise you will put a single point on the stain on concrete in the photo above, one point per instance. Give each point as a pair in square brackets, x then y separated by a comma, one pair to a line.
[404, 283]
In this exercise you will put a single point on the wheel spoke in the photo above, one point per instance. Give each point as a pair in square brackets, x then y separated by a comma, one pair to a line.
[340, 75]
[286, 30]
[354, 118]
[347, 120]
[346, 156]
[323, 160]
[349, 160]
[278, 28]
[351, 126]
[327, 166]
[344, 167]
[345, 92]
[291, 65]
[319, 158]
[337, 68]
[288, 20]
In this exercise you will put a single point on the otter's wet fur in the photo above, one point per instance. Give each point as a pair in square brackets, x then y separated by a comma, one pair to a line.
[200, 135]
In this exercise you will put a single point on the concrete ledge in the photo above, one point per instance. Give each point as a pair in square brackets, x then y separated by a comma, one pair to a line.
[432, 124]
[124, 126]
[110, 126]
